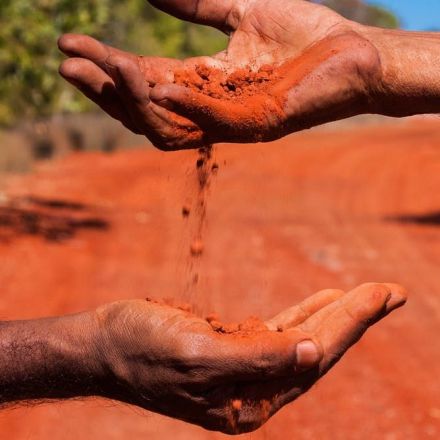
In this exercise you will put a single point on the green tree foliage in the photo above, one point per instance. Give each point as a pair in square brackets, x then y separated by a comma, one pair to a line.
[138, 27]
[29, 83]
[29, 58]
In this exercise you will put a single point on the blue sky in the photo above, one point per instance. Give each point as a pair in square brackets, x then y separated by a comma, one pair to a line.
[414, 14]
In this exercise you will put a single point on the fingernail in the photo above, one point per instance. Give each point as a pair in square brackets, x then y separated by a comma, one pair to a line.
[307, 354]
[397, 298]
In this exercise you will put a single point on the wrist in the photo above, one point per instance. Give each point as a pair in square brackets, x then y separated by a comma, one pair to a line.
[123, 348]
[50, 358]
[409, 82]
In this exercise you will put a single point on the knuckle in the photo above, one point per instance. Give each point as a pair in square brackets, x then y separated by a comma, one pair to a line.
[367, 58]
[262, 364]
[372, 298]
[376, 292]
[193, 352]
[120, 62]
[236, 14]
[158, 93]
[360, 54]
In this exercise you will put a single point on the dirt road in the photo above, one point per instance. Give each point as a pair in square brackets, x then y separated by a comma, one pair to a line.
[315, 210]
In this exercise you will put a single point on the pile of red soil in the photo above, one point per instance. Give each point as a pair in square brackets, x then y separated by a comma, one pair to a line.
[194, 214]
[217, 84]
[249, 327]
[257, 98]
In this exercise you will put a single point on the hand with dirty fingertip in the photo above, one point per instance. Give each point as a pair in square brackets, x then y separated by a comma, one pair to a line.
[224, 377]
[289, 65]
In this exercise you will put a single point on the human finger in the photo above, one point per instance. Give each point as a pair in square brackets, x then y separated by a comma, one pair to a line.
[97, 86]
[154, 69]
[220, 119]
[132, 90]
[262, 356]
[160, 70]
[223, 15]
[162, 127]
[342, 323]
[224, 117]
[338, 326]
[297, 314]
[84, 46]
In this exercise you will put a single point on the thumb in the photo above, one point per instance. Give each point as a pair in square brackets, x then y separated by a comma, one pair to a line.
[207, 12]
[266, 355]
[201, 108]
[342, 323]
[221, 120]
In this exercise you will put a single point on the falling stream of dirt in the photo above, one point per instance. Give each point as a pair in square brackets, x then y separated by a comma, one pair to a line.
[238, 86]
[216, 84]
[196, 212]
[206, 168]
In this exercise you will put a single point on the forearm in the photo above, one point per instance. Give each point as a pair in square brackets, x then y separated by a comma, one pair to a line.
[410, 63]
[52, 358]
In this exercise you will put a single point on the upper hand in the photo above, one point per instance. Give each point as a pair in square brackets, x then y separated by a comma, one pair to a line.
[169, 361]
[320, 69]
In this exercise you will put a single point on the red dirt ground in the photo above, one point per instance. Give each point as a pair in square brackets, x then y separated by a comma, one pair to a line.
[312, 211]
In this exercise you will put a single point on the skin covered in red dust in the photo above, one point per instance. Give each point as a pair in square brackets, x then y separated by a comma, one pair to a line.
[327, 68]
[255, 391]
[324, 65]
[167, 360]
[248, 105]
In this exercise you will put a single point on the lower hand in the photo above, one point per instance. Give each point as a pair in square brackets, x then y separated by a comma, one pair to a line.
[171, 362]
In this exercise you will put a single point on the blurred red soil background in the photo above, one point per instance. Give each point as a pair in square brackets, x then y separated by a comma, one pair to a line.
[315, 210]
